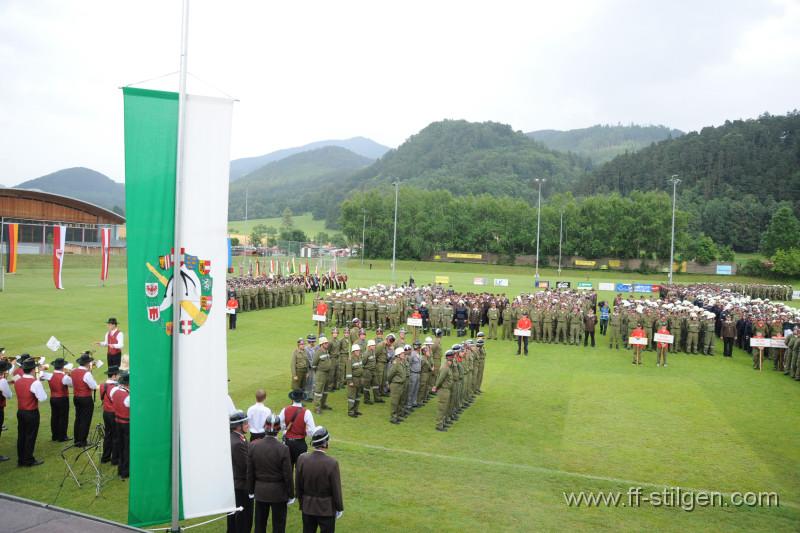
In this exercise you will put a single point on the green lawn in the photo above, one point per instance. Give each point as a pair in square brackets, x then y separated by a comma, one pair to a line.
[563, 419]
[304, 222]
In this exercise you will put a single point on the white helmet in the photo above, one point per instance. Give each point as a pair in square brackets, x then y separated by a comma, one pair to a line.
[370, 342]
[355, 348]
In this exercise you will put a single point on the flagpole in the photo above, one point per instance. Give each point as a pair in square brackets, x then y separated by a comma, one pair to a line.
[2, 266]
[176, 265]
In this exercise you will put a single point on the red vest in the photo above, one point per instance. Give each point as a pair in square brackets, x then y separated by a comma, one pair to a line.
[112, 339]
[17, 371]
[26, 400]
[105, 396]
[122, 414]
[298, 429]
[82, 390]
[57, 387]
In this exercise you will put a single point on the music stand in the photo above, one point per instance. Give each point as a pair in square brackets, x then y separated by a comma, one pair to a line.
[89, 451]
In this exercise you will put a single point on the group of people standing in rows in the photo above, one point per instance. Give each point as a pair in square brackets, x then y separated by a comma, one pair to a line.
[28, 374]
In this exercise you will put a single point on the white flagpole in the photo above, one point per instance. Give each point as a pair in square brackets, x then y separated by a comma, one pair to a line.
[176, 266]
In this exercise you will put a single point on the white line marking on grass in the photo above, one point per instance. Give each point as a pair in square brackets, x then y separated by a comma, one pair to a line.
[545, 470]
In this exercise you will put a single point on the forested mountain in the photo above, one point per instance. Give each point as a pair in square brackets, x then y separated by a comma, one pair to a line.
[732, 176]
[84, 184]
[602, 143]
[295, 182]
[359, 145]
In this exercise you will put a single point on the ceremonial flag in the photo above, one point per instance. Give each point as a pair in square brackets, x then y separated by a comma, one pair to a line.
[12, 239]
[258, 268]
[151, 145]
[316, 268]
[230, 255]
[308, 271]
[105, 245]
[271, 267]
[59, 236]
[294, 268]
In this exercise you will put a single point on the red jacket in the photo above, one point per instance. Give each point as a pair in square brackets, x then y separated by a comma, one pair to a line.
[524, 323]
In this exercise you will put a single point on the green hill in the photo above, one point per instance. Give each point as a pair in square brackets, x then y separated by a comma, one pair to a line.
[733, 176]
[84, 184]
[293, 182]
[601, 143]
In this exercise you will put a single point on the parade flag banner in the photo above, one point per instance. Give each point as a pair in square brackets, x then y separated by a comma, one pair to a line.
[105, 249]
[59, 240]
[12, 239]
[151, 141]
[308, 270]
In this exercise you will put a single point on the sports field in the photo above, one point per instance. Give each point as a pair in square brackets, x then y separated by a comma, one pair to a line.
[564, 419]
[304, 222]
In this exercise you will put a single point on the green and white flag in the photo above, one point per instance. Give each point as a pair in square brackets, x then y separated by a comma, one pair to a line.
[151, 141]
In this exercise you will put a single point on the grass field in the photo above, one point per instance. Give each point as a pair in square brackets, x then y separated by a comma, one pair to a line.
[564, 419]
[304, 222]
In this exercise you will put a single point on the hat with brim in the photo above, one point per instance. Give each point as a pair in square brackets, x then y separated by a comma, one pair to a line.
[28, 364]
[112, 321]
[113, 369]
[85, 358]
[5, 366]
[59, 363]
[296, 395]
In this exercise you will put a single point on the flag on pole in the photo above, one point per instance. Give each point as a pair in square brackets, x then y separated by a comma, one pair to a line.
[230, 255]
[59, 236]
[257, 271]
[105, 249]
[12, 239]
[316, 268]
[308, 271]
[151, 141]
[271, 267]
[294, 268]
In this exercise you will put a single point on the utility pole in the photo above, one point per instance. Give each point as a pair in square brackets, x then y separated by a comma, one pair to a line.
[538, 223]
[363, 234]
[394, 240]
[560, 232]
[675, 181]
[246, 191]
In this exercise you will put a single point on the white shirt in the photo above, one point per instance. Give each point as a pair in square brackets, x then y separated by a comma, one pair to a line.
[257, 416]
[88, 378]
[36, 387]
[307, 418]
[5, 389]
[120, 340]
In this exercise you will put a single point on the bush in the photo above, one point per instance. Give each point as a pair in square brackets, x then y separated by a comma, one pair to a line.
[755, 268]
[726, 254]
[787, 262]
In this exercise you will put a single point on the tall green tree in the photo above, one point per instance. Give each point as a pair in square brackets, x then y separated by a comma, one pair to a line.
[783, 232]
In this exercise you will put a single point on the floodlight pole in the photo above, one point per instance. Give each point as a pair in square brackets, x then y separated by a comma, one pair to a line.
[675, 181]
[394, 240]
[538, 222]
[363, 234]
[560, 233]
[246, 193]
[176, 266]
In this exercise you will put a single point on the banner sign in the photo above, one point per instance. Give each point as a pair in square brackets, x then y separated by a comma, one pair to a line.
[760, 343]
[605, 286]
[500, 282]
[584, 285]
[441, 279]
[563, 284]
[777, 342]
[105, 250]
[614, 263]
[416, 322]
[59, 240]
[546, 285]
[623, 287]
[724, 270]
[641, 341]
[584, 263]
[522, 332]
[318, 318]
[655, 288]
[662, 337]
[795, 295]
[479, 281]
[642, 287]
[454, 255]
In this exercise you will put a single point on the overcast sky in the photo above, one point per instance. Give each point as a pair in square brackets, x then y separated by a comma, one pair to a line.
[311, 70]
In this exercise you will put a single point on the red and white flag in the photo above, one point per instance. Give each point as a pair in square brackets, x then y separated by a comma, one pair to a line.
[105, 246]
[59, 240]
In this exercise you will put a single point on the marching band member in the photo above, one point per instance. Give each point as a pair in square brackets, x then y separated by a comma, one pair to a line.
[59, 383]
[5, 394]
[84, 385]
[121, 401]
[115, 341]
[110, 446]
[29, 393]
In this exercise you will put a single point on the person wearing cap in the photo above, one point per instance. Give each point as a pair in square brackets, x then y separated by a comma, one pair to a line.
[493, 316]
[109, 432]
[480, 343]
[396, 377]
[114, 340]
[121, 401]
[29, 392]
[241, 521]
[299, 365]
[297, 423]
[335, 351]
[318, 486]
[311, 348]
[442, 386]
[83, 385]
[354, 372]
[414, 372]
[257, 415]
[59, 384]
[382, 351]
[425, 373]
[321, 364]
[5, 394]
[406, 364]
[370, 381]
[693, 329]
[728, 336]
[269, 477]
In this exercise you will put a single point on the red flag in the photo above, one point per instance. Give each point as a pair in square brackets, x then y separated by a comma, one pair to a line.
[59, 240]
[12, 236]
[105, 245]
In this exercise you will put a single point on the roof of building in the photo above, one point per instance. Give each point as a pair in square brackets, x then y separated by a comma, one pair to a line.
[13, 209]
